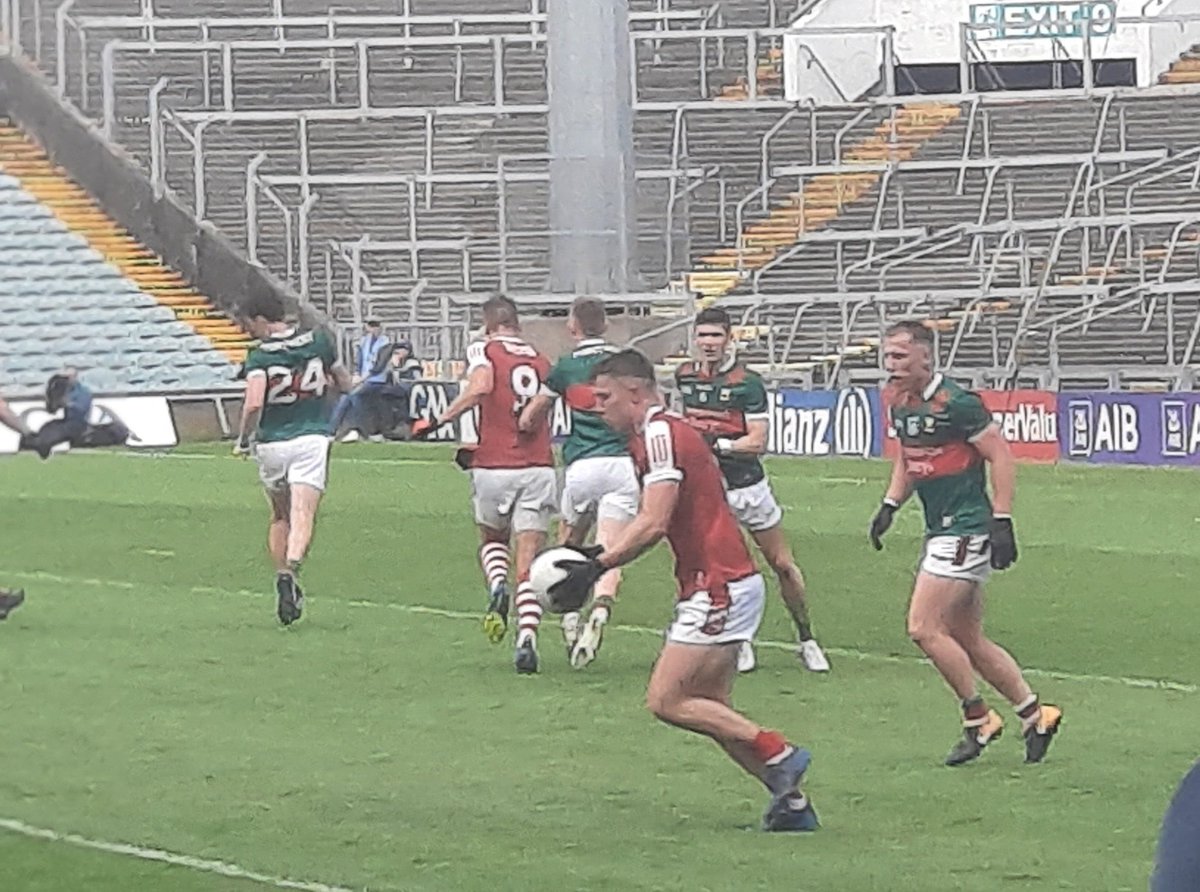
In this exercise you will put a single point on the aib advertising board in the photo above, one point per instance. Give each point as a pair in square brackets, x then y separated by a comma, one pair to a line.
[1130, 428]
[1099, 427]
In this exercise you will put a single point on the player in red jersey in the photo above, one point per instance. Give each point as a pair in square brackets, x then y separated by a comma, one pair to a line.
[512, 471]
[720, 592]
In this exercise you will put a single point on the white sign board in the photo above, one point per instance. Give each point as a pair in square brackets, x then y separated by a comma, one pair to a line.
[147, 417]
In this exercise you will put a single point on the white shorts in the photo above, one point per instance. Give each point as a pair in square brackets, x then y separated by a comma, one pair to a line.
[518, 499]
[288, 462]
[697, 622]
[957, 557]
[605, 486]
[755, 507]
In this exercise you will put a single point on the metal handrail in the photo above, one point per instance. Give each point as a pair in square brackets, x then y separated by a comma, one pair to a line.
[967, 139]
[774, 129]
[983, 164]
[835, 236]
[176, 23]
[706, 175]
[1172, 244]
[362, 46]
[841, 134]
[1091, 314]
[1023, 323]
[1162, 175]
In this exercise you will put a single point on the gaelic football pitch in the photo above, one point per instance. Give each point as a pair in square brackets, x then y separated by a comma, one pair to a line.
[152, 708]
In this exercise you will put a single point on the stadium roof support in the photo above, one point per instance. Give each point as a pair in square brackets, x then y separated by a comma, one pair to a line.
[593, 204]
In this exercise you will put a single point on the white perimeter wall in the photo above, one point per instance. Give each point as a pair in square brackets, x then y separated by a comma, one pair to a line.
[927, 31]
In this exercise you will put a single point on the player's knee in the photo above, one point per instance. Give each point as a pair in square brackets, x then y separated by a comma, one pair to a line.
[660, 704]
[921, 630]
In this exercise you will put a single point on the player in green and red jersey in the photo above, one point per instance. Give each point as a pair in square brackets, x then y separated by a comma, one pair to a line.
[728, 404]
[286, 415]
[600, 486]
[947, 438]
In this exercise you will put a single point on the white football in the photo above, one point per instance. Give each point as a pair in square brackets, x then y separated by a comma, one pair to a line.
[543, 574]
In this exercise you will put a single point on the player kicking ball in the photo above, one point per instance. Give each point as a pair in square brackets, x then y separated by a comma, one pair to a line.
[599, 485]
[946, 439]
[728, 404]
[512, 469]
[720, 592]
[285, 422]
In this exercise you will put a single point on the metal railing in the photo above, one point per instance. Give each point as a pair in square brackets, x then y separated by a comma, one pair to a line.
[81, 29]
[297, 237]
[931, 241]
[1086, 46]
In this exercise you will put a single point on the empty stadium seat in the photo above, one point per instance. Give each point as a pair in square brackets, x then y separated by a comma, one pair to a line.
[62, 305]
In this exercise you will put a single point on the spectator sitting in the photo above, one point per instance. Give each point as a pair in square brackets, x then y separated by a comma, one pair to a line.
[368, 376]
[66, 393]
[402, 370]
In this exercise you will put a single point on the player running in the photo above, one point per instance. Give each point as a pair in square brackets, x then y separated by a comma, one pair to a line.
[512, 470]
[285, 421]
[946, 437]
[728, 404]
[12, 598]
[599, 485]
[720, 592]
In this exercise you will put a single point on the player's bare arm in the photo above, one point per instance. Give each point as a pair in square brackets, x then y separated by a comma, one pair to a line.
[900, 485]
[479, 385]
[252, 406]
[535, 412]
[753, 442]
[995, 450]
[648, 528]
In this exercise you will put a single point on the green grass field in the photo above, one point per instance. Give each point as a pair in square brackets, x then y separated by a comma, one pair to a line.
[150, 698]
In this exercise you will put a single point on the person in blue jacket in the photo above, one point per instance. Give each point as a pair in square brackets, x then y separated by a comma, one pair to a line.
[67, 395]
[368, 375]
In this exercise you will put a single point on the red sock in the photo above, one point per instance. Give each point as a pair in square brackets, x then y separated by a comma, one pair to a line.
[493, 556]
[771, 746]
[529, 611]
[975, 712]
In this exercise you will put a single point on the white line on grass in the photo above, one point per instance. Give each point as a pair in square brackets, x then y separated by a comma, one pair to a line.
[359, 460]
[208, 456]
[1164, 684]
[204, 865]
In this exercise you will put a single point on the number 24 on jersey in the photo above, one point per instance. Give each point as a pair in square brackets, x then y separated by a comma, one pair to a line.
[285, 386]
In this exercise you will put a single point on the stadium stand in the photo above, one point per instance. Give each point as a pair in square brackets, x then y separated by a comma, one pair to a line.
[378, 167]
[77, 291]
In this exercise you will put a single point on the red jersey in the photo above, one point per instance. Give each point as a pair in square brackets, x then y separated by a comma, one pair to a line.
[518, 375]
[704, 535]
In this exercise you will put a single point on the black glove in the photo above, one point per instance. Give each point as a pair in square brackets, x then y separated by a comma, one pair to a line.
[464, 457]
[572, 591]
[1004, 543]
[882, 522]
